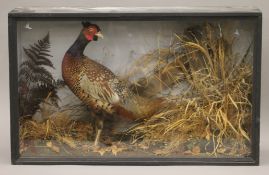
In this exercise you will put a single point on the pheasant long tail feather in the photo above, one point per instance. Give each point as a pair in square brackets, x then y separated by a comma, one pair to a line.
[122, 112]
[139, 107]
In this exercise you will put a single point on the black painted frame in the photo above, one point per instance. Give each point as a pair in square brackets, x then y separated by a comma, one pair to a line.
[15, 16]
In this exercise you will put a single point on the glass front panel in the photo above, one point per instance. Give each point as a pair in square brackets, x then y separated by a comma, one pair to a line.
[177, 88]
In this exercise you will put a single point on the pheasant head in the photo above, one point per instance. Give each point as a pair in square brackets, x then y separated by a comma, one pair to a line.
[91, 31]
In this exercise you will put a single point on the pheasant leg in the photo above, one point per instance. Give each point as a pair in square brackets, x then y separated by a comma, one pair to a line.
[97, 137]
[99, 128]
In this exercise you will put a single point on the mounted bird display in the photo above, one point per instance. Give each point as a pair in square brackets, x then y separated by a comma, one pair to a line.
[162, 88]
[96, 85]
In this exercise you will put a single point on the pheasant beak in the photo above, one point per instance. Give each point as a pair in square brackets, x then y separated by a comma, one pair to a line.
[100, 35]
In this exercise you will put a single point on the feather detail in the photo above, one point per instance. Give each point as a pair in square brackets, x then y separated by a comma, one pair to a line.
[98, 90]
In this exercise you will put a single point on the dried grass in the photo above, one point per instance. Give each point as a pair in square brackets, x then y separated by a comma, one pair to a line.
[60, 129]
[214, 112]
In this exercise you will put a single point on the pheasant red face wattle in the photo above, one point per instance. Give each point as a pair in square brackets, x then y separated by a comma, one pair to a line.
[91, 36]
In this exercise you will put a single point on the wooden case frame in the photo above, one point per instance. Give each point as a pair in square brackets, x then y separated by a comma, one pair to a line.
[64, 14]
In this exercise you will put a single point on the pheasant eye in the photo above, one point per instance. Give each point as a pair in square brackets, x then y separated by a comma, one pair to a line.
[90, 29]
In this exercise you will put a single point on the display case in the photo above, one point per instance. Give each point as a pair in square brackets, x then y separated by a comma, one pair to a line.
[135, 86]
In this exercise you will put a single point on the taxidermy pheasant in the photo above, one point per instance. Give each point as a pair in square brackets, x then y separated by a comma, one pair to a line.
[94, 84]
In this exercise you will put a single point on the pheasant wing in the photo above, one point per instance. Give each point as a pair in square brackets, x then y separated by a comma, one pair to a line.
[99, 90]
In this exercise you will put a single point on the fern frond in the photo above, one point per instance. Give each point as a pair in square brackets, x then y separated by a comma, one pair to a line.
[35, 81]
[32, 47]
[37, 58]
[44, 54]
[35, 69]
